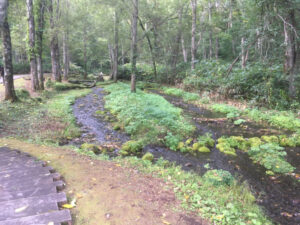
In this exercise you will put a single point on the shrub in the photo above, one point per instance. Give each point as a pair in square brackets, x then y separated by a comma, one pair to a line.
[218, 177]
[22, 94]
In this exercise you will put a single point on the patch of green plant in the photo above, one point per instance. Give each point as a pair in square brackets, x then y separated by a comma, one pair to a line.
[131, 148]
[147, 117]
[22, 94]
[216, 196]
[271, 156]
[206, 140]
[239, 122]
[230, 111]
[219, 177]
[187, 96]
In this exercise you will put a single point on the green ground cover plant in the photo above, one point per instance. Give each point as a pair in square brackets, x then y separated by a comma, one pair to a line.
[146, 117]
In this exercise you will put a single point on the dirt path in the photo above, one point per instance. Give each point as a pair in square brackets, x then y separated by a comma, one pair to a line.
[107, 193]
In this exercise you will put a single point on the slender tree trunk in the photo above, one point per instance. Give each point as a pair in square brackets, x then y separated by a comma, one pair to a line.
[151, 49]
[116, 49]
[134, 52]
[31, 40]
[41, 4]
[56, 73]
[193, 43]
[243, 55]
[85, 54]
[291, 57]
[8, 80]
[176, 48]
[217, 48]
[184, 51]
[210, 30]
[66, 56]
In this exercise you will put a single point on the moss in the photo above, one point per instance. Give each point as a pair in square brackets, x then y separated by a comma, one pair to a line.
[254, 142]
[204, 149]
[189, 141]
[270, 173]
[226, 148]
[131, 148]
[91, 147]
[117, 127]
[270, 139]
[100, 112]
[241, 143]
[285, 141]
[195, 146]
[148, 157]
[180, 145]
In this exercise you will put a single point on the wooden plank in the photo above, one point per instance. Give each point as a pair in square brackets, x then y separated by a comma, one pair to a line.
[8, 195]
[56, 217]
[58, 184]
[20, 168]
[30, 206]
[27, 183]
[23, 172]
[20, 165]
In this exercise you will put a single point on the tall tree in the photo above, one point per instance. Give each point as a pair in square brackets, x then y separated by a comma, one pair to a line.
[116, 47]
[40, 11]
[7, 54]
[66, 56]
[31, 43]
[193, 45]
[134, 52]
[54, 17]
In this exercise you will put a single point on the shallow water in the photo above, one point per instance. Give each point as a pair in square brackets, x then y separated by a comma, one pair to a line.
[279, 196]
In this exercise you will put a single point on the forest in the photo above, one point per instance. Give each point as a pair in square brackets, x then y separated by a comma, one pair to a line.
[156, 111]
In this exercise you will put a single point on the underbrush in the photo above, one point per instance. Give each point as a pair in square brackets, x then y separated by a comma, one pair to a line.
[261, 84]
[146, 117]
[216, 196]
[281, 119]
[48, 119]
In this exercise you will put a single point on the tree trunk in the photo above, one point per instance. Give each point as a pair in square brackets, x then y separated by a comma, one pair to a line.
[8, 80]
[291, 51]
[184, 52]
[31, 42]
[116, 49]
[85, 54]
[217, 48]
[151, 49]
[210, 31]
[39, 41]
[243, 55]
[193, 43]
[134, 53]
[66, 56]
[56, 73]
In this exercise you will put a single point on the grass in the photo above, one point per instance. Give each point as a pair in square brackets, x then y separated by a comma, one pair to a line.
[50, 120]
[187, 96]
[146, 117]
[281, 119]
[222, 203]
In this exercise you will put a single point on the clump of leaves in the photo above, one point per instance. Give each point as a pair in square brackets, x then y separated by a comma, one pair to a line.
[131, 148]
[271, 156]
[218, 177]
[230, 111]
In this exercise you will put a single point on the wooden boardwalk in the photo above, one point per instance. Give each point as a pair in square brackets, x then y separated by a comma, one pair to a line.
[29, 191]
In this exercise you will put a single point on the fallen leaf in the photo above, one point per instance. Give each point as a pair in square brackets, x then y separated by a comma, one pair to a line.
[166, 222]
[21, 209]
[68, 206]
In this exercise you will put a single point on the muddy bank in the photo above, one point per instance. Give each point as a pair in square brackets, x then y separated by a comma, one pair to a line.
[278, 195]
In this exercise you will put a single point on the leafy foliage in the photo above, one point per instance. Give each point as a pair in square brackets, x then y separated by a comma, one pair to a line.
[146, 116]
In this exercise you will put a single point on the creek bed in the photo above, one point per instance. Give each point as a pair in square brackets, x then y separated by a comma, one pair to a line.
[279, 196]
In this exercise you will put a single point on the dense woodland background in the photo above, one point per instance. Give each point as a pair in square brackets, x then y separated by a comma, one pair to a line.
[245, 49]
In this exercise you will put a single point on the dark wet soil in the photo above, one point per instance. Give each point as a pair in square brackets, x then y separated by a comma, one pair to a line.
[280, 196]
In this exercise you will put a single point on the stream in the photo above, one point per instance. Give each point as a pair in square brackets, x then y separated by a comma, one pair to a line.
[279, 196]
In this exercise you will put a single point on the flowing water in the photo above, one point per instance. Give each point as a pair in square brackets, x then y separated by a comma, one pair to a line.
[279, 196]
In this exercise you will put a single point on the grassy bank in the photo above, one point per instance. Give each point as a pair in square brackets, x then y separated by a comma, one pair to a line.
[281, 119]
[46, 119]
